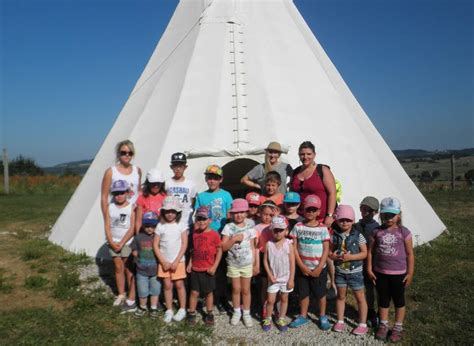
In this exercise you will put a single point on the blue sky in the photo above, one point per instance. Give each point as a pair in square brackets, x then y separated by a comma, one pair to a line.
[68, 66]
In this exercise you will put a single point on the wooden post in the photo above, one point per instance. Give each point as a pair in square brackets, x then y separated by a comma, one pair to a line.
[6, 178]
[452, 172]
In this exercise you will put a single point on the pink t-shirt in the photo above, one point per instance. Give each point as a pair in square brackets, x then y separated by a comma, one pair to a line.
[390, 253]
[264, 234]
[151, 203]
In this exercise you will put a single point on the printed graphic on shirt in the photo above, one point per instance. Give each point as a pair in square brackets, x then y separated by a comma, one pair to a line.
[310, 243]
[217, 212]
[181, 192]
[387, 244]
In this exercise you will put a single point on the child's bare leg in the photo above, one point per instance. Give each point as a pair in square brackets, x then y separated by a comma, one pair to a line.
[341, 302]
[332, 273]
[246, 296]
[143, 302]
[153, 301]
[271, 298]
[383, 313]
[263, 292]
[210, 302]
[304, 305]
[168, 292]
[193, 298]
[179, 284]
[322, 306]
[119, 275]
[361, 305]
[236, 289]
[130, 280]
[399, 315]
[283, 304]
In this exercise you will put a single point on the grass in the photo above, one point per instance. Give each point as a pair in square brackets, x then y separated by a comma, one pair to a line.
[41, 299]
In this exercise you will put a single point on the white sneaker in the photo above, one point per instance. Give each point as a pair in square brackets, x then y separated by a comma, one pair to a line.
[235, 318]
[119, 300]
[248, 322]
[179, 315]
[168, 316]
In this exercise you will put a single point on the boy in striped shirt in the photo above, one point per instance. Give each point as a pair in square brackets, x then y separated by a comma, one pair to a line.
[311, 241]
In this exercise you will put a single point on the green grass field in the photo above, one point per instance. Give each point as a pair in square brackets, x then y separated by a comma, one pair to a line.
[41, 300]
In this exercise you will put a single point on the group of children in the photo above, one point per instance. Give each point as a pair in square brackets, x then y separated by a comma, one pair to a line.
[264, 240]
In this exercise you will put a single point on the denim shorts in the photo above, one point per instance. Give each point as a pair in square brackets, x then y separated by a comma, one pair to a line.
[354, 280]
[148, 285]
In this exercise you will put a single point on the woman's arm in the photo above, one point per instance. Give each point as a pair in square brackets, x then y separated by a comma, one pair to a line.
[247, 182]
[330, 186]
[410, 261]
[139, 180]
[104, 192]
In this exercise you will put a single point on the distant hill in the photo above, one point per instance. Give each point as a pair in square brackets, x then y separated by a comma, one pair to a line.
[69, 168]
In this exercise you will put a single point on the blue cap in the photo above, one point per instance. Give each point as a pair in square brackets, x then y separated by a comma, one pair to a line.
[390, 205]
[291, 197]
[150, 219]
[119, 186]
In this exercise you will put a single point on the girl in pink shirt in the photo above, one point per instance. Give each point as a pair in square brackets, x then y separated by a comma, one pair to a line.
[151, 197]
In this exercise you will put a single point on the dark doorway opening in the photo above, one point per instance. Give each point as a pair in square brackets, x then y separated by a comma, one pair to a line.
[233, 172]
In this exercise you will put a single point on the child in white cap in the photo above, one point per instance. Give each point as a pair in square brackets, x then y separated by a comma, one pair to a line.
[151, 197]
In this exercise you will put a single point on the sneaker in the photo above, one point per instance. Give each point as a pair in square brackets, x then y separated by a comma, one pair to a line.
[339, 327]
[382, 332]
[168, 316]
[282, 324]
[209, 319]
[372, 319]
[299, 322]
[266, 325]
[235, 318]
[396, 335]
[119, 300]
[221, 308]
[360, 330]
[324, 323]
[128, 308]
[139, 313]
[248, 322]
[153, 314]
[180, 315]
[191, 318]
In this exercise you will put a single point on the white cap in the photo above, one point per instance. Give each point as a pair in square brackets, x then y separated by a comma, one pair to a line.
[154, 175]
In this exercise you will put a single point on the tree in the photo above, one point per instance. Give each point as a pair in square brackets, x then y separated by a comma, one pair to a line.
[435, 174]
[426, 177]
[22, 166]
[469, 176]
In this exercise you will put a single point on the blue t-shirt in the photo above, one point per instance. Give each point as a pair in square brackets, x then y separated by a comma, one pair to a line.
[219, 203]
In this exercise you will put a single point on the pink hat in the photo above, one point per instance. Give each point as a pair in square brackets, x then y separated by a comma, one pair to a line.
[171, 203]
[312, 201]
[345, 212]
[253, 198]
[239, 205]
[279, 222]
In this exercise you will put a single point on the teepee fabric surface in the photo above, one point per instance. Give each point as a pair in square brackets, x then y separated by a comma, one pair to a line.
[227, 78]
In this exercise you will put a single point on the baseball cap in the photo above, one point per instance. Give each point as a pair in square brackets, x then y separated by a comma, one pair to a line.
[178, 158]
[204, 212]
[312, 201]
[274, 146]
[150, 219]
[239, 205]
[119, 186]
[155, 176]
[292, 197]
[390, 205]
[371, 202]
[214, 169]
[171, 203]
[279, 222]
[344, 211]
[253, 198]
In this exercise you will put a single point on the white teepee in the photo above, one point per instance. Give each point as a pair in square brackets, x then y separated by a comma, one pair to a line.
[228, 77]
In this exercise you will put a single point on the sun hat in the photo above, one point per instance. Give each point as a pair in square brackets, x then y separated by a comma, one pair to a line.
[274, 146]
[390, 205]
[150, 219]
[279, 222]
[178, 158]
[119, 186]
[344, 211]
[239, 205]
[312, 201]
[154, 175]
[204, 212]
[214, 169]
[253, 198]
[171, 203]
[292, 197]
[371, 202]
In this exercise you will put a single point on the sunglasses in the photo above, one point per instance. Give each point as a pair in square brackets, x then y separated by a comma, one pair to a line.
[345, 220]
[200, 218]
[119, 193]
[213, 177]
[169, 211]
[126, 153]
[278, 230]
[311, 210]
[388, 216]
[291, 204]
[149, 226]
[253, 206]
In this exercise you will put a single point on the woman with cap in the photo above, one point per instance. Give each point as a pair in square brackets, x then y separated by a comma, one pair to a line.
[255, 178]
[312, 179]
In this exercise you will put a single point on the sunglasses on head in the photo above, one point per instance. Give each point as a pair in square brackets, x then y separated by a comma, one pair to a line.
[126, 153]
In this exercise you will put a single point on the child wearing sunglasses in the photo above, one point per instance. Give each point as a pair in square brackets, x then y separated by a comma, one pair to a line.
[291, 203]
[390, 265]
[119, 231]
[152, 196]
[348, 252]
[279, 263]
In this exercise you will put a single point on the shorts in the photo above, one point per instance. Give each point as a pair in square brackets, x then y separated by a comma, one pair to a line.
[278, 287]
[354, 280]
[310, 286]
[243, 272]
[125, 251]
[390, 287]
[202, 282]
[178, 274]
[148, 285]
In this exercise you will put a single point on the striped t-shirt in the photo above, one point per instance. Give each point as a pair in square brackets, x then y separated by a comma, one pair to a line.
[310, 243]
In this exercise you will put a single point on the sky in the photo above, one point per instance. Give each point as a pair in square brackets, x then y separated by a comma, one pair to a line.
[67, 68]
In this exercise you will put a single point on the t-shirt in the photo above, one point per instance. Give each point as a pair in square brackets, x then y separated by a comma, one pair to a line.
[293, 222]
[240, 254]
[147, 263]
[277, 198]
[264, 234]
[186, 191]
[205, 245]
[390, 254]
[257, 174]
[151, 203]
[344, 267]
[310, 243]
[279, 261]
[219, 202]
[120, 219]
[367, 228]
[170, 239]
